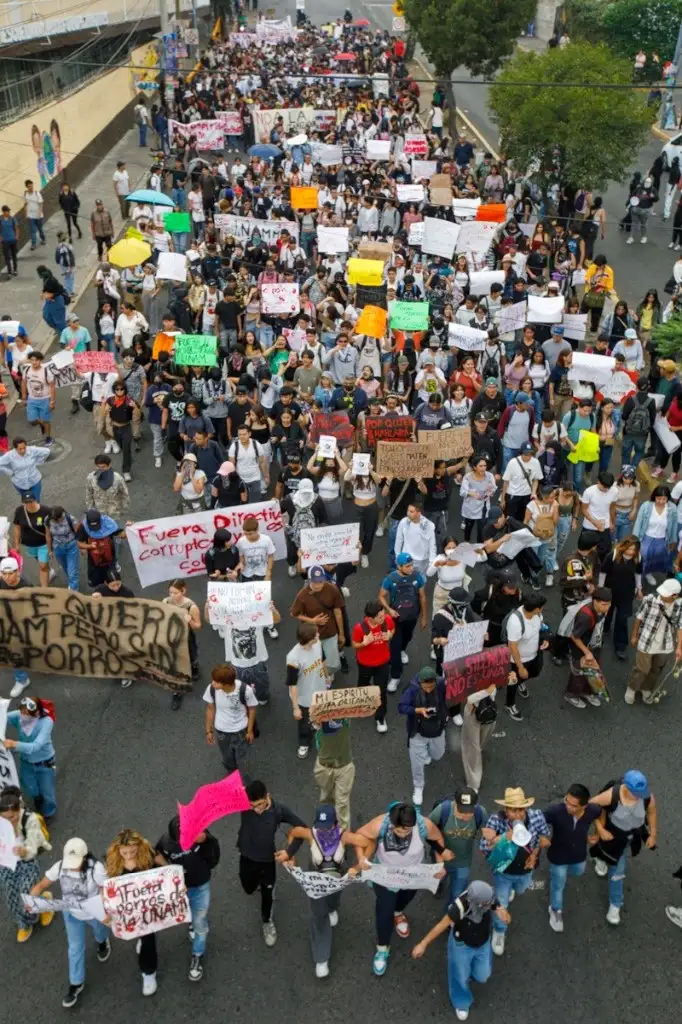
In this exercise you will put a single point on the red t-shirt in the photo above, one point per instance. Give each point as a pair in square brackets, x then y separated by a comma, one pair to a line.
[674, 414]
[377, 653]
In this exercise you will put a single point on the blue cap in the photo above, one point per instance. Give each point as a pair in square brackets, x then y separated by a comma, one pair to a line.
[325, 816]
[527, 447]
[316, 573]
[521, 396]
[558, 328]
[636, 783]
[403, 559]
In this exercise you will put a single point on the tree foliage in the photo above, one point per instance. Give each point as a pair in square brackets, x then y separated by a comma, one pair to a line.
[628, 25]
[579, 134]
[668, 338]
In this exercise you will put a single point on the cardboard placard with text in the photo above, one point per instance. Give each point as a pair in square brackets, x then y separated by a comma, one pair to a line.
[369, 250]
[404, 460]
[372, 321]
[476, 672]
[354, 702]
[388, 428]
[440, 190]
[147, 901]
[453, 443]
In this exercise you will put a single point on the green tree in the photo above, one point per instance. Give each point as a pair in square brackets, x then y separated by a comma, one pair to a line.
[668, 338]
[478, 36]
[576, 133]
[630, 25]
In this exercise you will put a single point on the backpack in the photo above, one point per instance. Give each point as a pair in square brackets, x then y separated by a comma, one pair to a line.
[491, 367]
[485, 712]
[517, 613]
[43, 827]
[86, 399]
[386, 824]
[242, 701]
[574, 413]
[446, 810]
[544, 527]
[638, 423]
[405, 597]
[303, 519]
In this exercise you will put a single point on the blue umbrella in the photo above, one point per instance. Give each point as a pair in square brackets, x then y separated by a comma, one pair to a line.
[151, 196]
[265, 151]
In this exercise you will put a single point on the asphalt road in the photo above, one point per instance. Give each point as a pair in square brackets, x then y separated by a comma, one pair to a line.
[124, 759]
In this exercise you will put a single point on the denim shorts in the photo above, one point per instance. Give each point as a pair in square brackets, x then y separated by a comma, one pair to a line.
[41, 553]
[38, 409]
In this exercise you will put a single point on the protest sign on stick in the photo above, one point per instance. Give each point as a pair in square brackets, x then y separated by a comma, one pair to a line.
[476, 672]
[353, 702]
[196, 350]
[240, 605]
[388, 428]
[329, 545]
[146, 902]
[404, 460]
[210, 803]
[452, 443]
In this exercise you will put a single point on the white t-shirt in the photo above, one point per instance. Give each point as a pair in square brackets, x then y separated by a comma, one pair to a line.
[675, 496]
[122, 183]
[255, 554]
[34, 205]
[128, 327]
[244, 647]
[230, 713]
[188, 492]
[546, 432]
[527, 638]
[311, 676]
[599, 503]
[518, 479]
[657, 524]
[78, 885]
[246, 460]
[102, 385]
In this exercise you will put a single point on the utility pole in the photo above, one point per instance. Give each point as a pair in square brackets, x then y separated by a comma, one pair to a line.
[163, 15]
[668, 97]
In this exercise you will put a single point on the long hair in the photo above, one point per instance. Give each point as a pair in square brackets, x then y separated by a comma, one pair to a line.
[129, 837]
[623, 545]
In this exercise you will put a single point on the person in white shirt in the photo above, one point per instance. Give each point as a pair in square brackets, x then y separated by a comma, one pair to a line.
[230, 716]
[436, 118]
[129, 323]
[33, 208]
[121, 181]
[251, 464]
[523, 628]
[520, 482]
[416, 536]
[368, 217]
[141, 120]
[599, 507]
[306, 675]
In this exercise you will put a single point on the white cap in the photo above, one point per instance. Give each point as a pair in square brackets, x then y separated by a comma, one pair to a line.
[75, 851]
[668, 588]
[9, 565]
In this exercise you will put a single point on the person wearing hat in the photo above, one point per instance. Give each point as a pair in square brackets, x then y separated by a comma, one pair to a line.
[81, 877]
[75, 338]
[630, 347]
[96, 536]
[515, 428]
[460, 819]
[656, 634]
[429, 379]
[105, 489]
[321, 604]
[306, 675]
[520, 481]
[555, 345]
[514, 877]
[469, 917]
[423, 704]
[402, 594]
[11, 579]
[30, 530]
[629, 820]
[455, 612]
[327, 841]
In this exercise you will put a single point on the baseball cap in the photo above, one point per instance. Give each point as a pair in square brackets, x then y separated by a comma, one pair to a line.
[325, 816]
[527, 447]
[522, 397]
[27, 496]
[427, 675]
[403, 559]
[636, 782]
[631, 334]
[458, 595]
[558, 329]
[491, 380]
[466, 798]
[72, 317]
[480, 417]
[669, 588]
[74, 852]
[9, 565]
[316, 573]
[93, 518]
[666, 364]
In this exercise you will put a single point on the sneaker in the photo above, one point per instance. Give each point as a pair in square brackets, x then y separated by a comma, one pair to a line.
[613, 913]
[345, 591]
[401, 925]
[292, 571]
[393, 684]
[196, 968]
[71, 997]
[51, 574]
[149, 985]
[269, 933]
[127, 477]
[555, 567]
[46, 918]
[678, 247]
[115, 450]
[380, 962]
[176, 702]
[535, 584]
[601, 868]
[630, 240]
[498, 943]
[549, 579]
[380, 531]
[272, 632]
[432, 654]
[19, 688]
[674, 914]
[650, 578]
[462, 1014]
[593, 700]
[671, 245]
[512, 895]
[513, 712]
[125, 683]
[107, 448]
[404, 657]
[457, 720]
[157, 462]
[382, 727]
[364, 561]
[103, 951]
[48, 442]
[643, 241]
[647, 697]
[302, 752]
[24, 934]
[576, 702]
[322, 970]
[556, 920]
[522, 691]
[417, 796]
[333, 918]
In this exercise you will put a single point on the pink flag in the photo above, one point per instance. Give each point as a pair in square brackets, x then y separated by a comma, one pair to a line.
[210, 803]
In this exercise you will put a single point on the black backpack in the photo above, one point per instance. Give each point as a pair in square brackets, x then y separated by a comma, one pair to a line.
[485, 711]
[638, 423]
[406, 597]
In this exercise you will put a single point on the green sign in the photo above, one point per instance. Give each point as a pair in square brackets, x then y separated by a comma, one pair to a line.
[196, 350]
[410, 316]
[177, 222]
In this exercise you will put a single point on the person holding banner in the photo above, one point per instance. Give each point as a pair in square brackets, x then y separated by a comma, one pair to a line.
[128, 854]
[177, 596]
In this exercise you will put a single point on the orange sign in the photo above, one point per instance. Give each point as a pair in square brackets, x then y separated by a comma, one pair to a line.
[372, 322]
[492, 211]
[162, 343]
[303, 198]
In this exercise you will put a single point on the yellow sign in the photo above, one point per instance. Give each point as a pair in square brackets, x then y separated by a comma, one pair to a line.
[398, 8]
[370, 272]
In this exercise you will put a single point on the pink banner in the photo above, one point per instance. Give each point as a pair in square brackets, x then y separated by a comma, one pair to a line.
[94, 362]
[210, 803]
[416, 145]
[209, 135]
[231, 121]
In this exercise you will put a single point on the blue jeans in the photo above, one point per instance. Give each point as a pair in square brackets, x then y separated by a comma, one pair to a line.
[563, 530]
[143, 134]
[632, 451]
[39, 782]
[392, 533]
[605, 453]
[464, 964]
[178, 197]
[266, 335]
[68, 557]
[457, 880]
[69, 279]
[617, 417]
[580, 469]
[507, 455]
[503, 887]
[624, 525]
[35, 227]
[547, 554]
[558, 874]
[199, 899]
[108, 343]
[76, 932]
[35, 489]
[180, 240]
[616, 877]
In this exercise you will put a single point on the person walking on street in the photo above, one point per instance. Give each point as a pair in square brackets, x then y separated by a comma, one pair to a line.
[402, 595]
[30, 532]
[584, 648]
[523, 633]
[456, 612]
[65, 258]
[70, 204]
[121, 180]
[141, 115]
[621, 572]
[371, 640]
[306, 675]
[570, 822]
[105, 489]
[423, 704]
[416, 537]
[121, 409]
[9, 236]
[334, 770]
[101, 227]
[230, 716]
[37, 774]
[129, 853]
[11, 579]
[33, 209]
[14, 883]
[321, 604]
[21, 463]
[656, 634]
[460, 820]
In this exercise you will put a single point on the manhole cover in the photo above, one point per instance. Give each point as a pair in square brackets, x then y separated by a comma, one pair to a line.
[58, 450]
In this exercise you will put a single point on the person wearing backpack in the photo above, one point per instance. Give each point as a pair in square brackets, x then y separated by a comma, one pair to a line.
[403, 596]
[584, 645]
[460, 819]
[579, 421]
[542, 516]
[521, 630]
[306, 511]
[230, 716]
[306, 676]
[520, 481]
[61, 542]
[423, 704]
[31, 838]
[34, 723]
[455, 612]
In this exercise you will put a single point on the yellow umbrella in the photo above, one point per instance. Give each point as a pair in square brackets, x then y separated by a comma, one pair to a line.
[129, 252]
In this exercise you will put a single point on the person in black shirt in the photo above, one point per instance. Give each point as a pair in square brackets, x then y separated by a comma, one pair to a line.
[114, 588]
[227, 487]
[229, 313]
[570, 822]
[437, 490]
[490, 401]
[178, 181]
[485, 443]
[222, 558]
[173, 409]
[198, 861]
[238, 412]
[31, 532]
[292, 474]
[285, 401]
[497, 530]
[470, 919]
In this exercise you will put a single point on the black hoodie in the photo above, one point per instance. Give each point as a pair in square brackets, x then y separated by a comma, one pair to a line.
[198, 861]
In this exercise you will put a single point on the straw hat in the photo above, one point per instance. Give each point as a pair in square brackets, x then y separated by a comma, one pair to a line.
[515, 798]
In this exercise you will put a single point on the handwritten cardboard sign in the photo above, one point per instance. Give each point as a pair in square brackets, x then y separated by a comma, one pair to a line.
[453, 443]
[404, 460]
[231, 121]
[330, 545]
[416, 145]
[372, 322]
[464, 639]
[388, 428]
[196, 350]
[94, 362]
[440, 237]
[440, 190]
[8, 769]
[476, 672]
[417, 876]
[209, 135]
[239, 604]
[209, 804]
[93, 906]
[466, 339]
[243, 229]
[336, 424]
[353, 702]
[410, 316]
[369, 249]
[146, 902]
[424, 170]
[410, 193]
[279, 298]
[63, 369]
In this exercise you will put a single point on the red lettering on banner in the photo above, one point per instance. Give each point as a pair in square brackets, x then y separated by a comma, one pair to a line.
[490, 667]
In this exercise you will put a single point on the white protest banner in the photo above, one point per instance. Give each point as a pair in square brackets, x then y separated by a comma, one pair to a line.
[416, 234]
[416, 144]
[4, 707]
[244, 39]
[62, 358]
[279, 298]
[93, 906]
[316, 885]
[519, 540]
[476, 236]
[668, 438]
[272, 30]
[326, 446]
[481, 280]
[8, 840]
[329, 545]
[465, 208]
[410, 193]
[231, 121]
[9, 328]
[380, 85]
[512, 318]
[468, 339]
[658, 400]
[360, 465]
[619, 387]
[332, 240]
[467, 554]
[296, 338]
[63, 369]
[578, 277]
[590, 367]
[575, 325]
[545, 310]
[528, 229]
[295, 120]
[172, 266]
[378, 149]
[326, 155]
[146, 902]
[165, 548]
[243, 228]
[241, 605]
[8, 769]
[465, 638]
[418, 876]
[209, 135]
[424, 169]
[440, 237]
